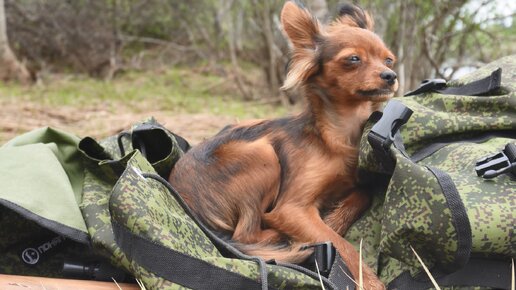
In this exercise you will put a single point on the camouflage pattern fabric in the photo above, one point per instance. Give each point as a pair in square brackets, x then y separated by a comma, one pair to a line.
[103, 166]
[412, 209]
[146, 208]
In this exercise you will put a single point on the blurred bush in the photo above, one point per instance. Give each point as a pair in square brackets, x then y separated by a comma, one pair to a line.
[104, 37]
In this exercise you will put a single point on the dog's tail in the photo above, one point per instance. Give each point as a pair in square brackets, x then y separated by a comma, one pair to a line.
[293, 253]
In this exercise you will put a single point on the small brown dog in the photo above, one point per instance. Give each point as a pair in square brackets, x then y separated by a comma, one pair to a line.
[265, 182]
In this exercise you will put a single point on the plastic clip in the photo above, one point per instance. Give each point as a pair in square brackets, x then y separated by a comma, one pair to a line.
[394, 116]
[324, 256]
[499, 163]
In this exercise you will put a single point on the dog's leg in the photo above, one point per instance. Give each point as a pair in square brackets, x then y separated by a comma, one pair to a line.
[241, 200]
[305, 224]
[269, 236]
[347, 212]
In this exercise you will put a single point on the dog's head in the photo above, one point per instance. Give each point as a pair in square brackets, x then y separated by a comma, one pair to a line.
[342, 62]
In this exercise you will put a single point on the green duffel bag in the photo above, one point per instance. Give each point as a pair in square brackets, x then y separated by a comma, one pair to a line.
[41, 225]
[136, 217]
[96, 210]
[444, 183]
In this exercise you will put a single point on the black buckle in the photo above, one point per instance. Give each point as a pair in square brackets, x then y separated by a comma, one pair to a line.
[428, 85]
[498, 163]
[324, 256]
[394, 116]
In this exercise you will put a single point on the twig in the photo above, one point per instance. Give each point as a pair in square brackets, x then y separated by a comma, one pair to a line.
[352, 280]
[360, 272]
[156, 41]
[426, 270]
[319, 274]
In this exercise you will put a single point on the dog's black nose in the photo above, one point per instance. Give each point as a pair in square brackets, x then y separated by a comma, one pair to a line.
[389, 76]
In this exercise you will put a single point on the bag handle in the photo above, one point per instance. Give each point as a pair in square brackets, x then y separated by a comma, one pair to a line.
[484, 87]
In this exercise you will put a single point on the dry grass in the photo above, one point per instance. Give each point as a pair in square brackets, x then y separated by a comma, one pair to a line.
[319, 274]
[426, 269]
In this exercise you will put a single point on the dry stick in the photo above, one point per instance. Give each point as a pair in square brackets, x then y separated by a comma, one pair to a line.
[319, 274]
[208, 88]
[116, 283]
[360, 274]
[140, 283]
[426, 270]
[350, 278]
[513, 280]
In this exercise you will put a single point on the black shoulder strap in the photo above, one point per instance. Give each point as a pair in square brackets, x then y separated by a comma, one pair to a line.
[177, 267]
[477, 272]
[487, 86]
[459, 218]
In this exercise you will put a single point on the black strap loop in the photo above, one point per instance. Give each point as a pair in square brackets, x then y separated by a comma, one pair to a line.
[323, 256]
[484, 87]
[144, 138]
[459, 218]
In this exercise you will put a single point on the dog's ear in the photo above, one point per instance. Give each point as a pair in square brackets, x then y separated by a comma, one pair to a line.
[300, 26]
[355, 16]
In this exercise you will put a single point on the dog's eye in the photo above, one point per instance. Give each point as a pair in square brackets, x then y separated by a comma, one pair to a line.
[389, 61]
[354, 59]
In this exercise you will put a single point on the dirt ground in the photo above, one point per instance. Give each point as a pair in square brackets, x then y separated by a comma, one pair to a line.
[97, 122]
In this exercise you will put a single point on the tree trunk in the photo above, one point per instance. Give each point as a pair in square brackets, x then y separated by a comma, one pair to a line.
[319, 9]
[232, 45]
[269, 38]
[10, 67]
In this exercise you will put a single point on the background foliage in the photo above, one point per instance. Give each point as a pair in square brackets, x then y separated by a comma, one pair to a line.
[242, 40]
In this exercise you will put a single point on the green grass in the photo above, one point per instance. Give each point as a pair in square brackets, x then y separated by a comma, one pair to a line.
[177, 89]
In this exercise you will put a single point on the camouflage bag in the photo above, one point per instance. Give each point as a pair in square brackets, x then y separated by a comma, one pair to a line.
[428, 195]
[109, 204]
[134, 216]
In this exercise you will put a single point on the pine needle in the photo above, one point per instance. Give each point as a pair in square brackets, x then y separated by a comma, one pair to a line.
[426, 270]
[116, 283]
[140, 283]
[360, 270]
[319, 274]
[352, 280]
[513, 280]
